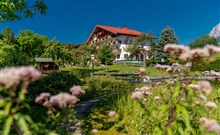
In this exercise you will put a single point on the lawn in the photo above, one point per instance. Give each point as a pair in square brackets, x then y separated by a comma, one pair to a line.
[123, 69]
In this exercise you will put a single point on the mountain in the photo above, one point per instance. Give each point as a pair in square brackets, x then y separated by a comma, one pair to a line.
[216, 32]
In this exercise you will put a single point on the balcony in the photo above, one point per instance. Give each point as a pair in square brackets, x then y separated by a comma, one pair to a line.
[114, 42]
[116, 51]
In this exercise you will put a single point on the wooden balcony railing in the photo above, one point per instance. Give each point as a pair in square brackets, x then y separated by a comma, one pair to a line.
[116, 51]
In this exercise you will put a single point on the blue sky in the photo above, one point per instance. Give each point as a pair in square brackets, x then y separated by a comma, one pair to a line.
[73, 20]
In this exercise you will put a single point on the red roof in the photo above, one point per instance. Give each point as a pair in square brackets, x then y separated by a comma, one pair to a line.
[123, 31]
[115, 30]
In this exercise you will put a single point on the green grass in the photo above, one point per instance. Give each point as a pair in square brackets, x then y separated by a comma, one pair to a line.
[123, 69]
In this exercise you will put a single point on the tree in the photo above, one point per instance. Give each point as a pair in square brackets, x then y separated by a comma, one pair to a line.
[30, 43]
[55, 50]
[167, 37]
[138, 46]
[203, 40]
[11, 10]
[105, 55]
[83, 54]
[8, 36]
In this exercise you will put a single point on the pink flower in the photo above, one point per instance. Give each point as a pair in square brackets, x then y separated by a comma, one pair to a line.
[174, 49]
[142, 71]
[77, 90]
[112, 114]
[44, 97]
[137, 95]
[202, 97]
[211, 105]
[94, 131]
[12, 76]
[212, 49]
[210, 125]
[205, 86]
[157, 97]
[194, 86]
[62, 100]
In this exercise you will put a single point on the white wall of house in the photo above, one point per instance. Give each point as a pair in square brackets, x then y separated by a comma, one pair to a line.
[123, 45]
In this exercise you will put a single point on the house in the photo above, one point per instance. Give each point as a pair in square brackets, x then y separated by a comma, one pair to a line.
[46, 65]
[117, 38]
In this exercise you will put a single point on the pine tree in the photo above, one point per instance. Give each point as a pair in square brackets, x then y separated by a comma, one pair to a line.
[167, 37]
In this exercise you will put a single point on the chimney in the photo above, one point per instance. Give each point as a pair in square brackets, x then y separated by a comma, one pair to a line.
[126, 27]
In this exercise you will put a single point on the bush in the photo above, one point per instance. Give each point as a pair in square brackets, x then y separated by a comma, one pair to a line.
[149, 62]
[204, 65]
[54, 83]
[103, 83]
[81, 72]
[215, 65]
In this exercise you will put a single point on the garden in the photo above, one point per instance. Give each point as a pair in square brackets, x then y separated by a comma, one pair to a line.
[179, 95]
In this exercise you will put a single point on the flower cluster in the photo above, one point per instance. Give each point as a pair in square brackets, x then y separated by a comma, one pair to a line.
[61, 100]
[140, 92]
[142, 71]
[186, 54]
[212, 73]
[12, 76]
[210, 125]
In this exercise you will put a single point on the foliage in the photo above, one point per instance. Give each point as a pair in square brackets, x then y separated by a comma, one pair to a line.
[105, 55]
[55, 50]
[81, 72]
[53, 83]
[10, 56]
[8, 36]
[106, 83]
[15, 9]
[167, 37]
[202, 41]
[138, 46]
[82, 55]
[31, 44]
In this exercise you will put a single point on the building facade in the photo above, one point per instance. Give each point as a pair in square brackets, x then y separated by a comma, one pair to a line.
[117, 38]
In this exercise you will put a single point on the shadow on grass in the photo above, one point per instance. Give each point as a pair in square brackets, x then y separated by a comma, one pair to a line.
[98, 117]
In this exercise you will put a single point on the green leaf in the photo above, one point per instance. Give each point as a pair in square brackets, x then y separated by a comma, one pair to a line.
[8, 107]
[23, 124]
[7, 126]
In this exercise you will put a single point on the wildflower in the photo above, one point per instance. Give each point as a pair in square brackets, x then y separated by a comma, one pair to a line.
[137, 95]
[210, 125]
[62, 100]
[211, 105]
[174, 49]
[212, 49]
[186, 56]
[145, 100]
[199, 53]
[202, 97]
[44, 97]
[142, 71]
[194, 86]
[77, 90]
[205, 86]
[12, 76]
[157, 97]
[112, 114]
[196, 102]
[95, 131]
[158, 83]
[144, 89]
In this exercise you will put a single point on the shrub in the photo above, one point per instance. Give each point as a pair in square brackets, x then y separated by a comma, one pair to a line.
[215, 65]
[203, 65]
[54, 83]
[81, 72]
[103, 83]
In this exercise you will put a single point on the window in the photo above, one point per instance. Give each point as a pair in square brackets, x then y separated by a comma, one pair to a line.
[126, 56]
[118, 56]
